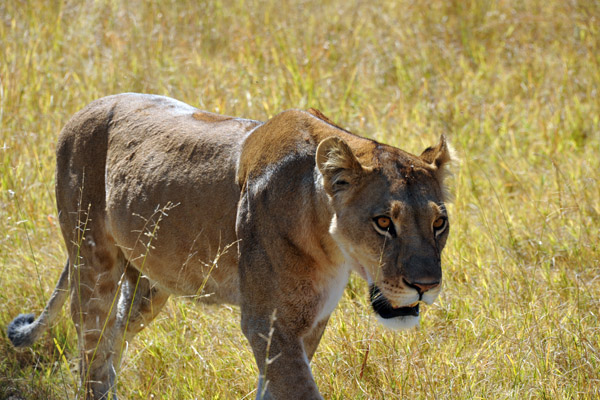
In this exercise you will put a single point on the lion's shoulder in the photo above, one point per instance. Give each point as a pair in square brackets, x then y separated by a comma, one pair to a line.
[291, 135]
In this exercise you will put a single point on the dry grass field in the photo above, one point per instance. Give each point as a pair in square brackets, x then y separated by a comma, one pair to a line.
[515, 85]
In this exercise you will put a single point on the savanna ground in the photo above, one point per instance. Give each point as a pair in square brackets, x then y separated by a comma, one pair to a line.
[514, 85]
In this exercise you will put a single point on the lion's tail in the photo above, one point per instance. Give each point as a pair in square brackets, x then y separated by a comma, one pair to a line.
[25, 328]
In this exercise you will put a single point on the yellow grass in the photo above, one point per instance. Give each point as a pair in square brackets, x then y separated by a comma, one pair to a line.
[515, 86]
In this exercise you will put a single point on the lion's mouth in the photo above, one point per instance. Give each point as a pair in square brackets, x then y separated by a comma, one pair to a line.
[382, 306]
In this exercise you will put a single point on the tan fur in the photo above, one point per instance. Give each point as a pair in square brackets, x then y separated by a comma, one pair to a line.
[156, 195]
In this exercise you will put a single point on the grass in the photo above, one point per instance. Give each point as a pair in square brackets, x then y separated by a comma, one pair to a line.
[515, 86]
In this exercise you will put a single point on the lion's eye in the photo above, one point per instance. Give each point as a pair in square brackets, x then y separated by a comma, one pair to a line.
[383, 222]
[439, 225]
[384, 225]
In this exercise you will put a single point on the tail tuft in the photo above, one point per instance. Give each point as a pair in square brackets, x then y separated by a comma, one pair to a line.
[21, 330]
[25, 329]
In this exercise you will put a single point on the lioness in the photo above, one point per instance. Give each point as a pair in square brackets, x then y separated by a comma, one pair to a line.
[158, 198]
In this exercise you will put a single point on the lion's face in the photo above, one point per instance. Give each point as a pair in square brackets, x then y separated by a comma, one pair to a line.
[391, 224]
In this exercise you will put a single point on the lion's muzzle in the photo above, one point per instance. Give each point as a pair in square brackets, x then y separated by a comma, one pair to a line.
[384, 309]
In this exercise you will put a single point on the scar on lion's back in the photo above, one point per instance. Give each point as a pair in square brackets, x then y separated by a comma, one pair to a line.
[205, 116]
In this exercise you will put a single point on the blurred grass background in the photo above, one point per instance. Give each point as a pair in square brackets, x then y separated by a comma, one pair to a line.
[514, 85]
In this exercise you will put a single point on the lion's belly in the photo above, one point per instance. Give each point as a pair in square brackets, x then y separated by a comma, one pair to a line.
[175, 242]
[180, 242]
[179, 233]
[211, 282]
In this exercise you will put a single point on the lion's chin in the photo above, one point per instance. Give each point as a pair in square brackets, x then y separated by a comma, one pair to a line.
[399, 323]
[396, 318]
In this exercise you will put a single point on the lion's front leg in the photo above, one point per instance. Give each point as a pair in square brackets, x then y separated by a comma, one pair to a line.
[282, 361]
[279, 307]
[312, 338]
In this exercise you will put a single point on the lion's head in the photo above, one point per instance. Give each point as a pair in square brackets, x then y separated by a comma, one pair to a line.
[390, 221]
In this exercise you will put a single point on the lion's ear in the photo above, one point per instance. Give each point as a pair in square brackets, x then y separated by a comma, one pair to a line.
[439, 157]
[337, 163]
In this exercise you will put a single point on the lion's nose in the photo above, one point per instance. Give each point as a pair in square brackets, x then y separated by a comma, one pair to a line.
[422, 287]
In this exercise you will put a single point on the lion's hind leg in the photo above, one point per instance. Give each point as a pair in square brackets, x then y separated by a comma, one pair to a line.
[139, 304]
[94, 295]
